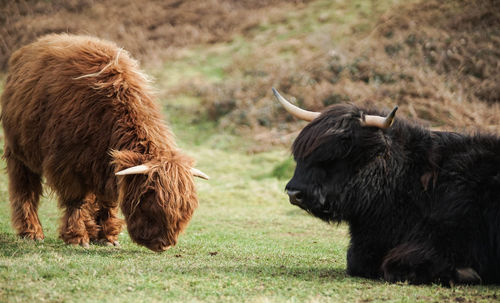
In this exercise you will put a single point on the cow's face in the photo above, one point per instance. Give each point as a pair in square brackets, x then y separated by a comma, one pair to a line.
[158, 205]
[330, 152]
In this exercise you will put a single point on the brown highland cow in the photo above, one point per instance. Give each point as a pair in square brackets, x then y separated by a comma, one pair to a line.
[77, 111]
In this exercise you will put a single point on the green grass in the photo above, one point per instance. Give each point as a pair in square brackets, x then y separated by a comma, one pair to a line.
[320, 20]
[245, 241]
[196, 63]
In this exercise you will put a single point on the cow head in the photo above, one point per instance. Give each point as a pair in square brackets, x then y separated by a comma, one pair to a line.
[157, 196]
[331, 153]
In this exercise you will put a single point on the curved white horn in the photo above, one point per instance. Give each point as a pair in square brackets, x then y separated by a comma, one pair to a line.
[134, 170]
[378, 121]
[198, 173]
[294, 110]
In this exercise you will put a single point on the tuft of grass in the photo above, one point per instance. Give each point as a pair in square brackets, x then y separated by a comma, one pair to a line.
[197, 64]
[284, 170]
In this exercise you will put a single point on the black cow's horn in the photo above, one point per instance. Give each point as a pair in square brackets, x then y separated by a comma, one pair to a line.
[380, 122]
[294, 110]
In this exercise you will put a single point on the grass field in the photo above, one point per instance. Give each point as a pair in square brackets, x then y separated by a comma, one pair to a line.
[246, 242]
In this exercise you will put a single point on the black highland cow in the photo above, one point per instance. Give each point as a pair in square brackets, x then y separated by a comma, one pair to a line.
[422, 206]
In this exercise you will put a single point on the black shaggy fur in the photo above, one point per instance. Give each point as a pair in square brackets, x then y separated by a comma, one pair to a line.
[421, 206]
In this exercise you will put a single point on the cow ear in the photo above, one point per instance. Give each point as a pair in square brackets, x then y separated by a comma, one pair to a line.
[128, 162]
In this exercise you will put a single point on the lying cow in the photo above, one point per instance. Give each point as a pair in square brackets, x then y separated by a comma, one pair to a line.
[422, 206]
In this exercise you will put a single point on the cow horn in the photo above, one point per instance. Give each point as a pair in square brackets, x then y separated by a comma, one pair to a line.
[198, 173]
[294, 110]
[378, 121]
[134, 170]
[142, 169]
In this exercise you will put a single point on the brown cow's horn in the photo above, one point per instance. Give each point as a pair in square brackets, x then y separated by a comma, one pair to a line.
[198, 173]
[134, 170]
[294, 110]
[380, 122]
[142, 169]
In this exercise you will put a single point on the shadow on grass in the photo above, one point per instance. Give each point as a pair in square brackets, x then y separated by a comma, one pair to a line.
[271, 274]
[11, 246]
[305, 273]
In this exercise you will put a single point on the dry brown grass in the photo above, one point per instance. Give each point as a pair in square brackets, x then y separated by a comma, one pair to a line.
[148, 29]
[438, 60]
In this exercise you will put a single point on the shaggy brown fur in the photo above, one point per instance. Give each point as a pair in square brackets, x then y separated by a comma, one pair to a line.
[76, 110]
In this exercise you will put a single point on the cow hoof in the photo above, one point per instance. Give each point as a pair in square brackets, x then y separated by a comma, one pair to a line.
[85, 245]
[105, 242]
[408, 277]
[112, 243]
[32, 236]
[468, 276]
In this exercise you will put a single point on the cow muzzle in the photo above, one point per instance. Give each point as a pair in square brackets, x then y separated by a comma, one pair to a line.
[296, 197]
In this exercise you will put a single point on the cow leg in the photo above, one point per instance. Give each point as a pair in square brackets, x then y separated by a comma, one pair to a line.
[91, 209]
[421, 264]
[433, 252]
[25, 189]
[363, 261]
[414, 263]
[73, 229]
[110, 225]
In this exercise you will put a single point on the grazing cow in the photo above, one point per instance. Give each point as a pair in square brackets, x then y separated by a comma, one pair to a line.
[77, 111]
[422, 206]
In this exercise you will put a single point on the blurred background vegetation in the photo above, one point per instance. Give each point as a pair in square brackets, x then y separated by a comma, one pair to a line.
[216, 60]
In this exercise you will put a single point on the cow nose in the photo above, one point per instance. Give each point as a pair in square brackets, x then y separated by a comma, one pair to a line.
[159, 246]
[295, 197]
